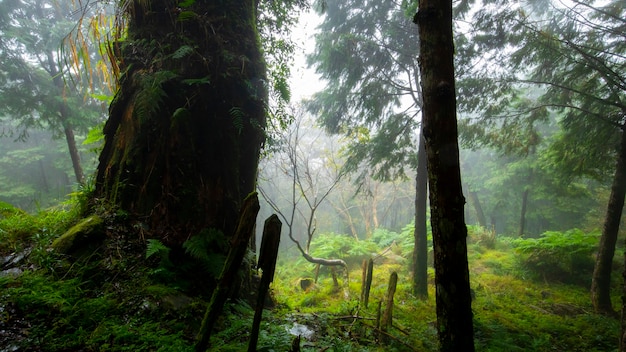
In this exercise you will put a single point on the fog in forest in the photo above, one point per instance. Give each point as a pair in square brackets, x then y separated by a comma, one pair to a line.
[540, 89]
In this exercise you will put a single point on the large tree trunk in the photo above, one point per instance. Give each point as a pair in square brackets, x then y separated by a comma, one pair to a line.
[420, 248]
[601, 280]
[185, 129]
[454, 311]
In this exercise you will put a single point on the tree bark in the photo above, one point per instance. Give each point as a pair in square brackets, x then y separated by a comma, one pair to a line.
[185, 128]
[454, 311]
[420, 247]
[601, 280]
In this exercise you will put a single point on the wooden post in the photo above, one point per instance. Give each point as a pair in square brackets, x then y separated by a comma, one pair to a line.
[378, 309]
[368, 282]
[333, 273]
[238, 248]
[317, 272]
[267, 263]
[388, 313]
[363, 279]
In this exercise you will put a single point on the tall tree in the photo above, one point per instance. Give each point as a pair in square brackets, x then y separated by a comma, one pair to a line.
[572, 55]
[33, 91]
[186, 126]
[454, 303]
[363, 51]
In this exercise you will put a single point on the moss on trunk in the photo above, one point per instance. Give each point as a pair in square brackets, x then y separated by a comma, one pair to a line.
[185, 129]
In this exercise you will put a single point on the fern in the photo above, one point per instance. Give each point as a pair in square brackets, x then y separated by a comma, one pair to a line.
[182, 52]
[207, 247]
[156, 247]
[237, 114]
[151, 93]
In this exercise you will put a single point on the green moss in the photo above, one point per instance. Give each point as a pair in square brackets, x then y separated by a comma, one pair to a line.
[81, 236]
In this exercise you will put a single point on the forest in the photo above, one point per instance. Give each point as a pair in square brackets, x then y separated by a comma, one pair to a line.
[312, 175]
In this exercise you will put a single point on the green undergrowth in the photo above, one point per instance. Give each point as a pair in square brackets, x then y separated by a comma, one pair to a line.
[518, 305]
[128, 296]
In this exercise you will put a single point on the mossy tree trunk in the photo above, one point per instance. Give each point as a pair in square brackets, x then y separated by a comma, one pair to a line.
[185, 128]
[454, 311]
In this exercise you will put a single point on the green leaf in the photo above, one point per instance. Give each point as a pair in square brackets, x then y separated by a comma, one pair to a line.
[191, 81]
[95, 135]
[186, 16]
[186, 3]
[182, 52]
[156, 247]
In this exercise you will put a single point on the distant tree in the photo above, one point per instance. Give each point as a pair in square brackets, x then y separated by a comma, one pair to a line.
[34, 173]
[35, 87]
[452, 284]
[365, 52]
[312, 175]
[572, 56]
[499, 181]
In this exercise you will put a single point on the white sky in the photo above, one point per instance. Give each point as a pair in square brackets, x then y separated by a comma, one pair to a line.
[304, 81]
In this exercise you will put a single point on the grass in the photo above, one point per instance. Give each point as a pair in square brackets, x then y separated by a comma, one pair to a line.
[117, 300]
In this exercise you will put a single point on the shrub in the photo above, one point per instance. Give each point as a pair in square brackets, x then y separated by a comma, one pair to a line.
[559, 256]
[481, 236]
[332, 245]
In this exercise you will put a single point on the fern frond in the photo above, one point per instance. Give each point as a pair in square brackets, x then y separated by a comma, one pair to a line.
[182, 52]
[237, 114]
[151, 93]
[197, 247]
[156, 247]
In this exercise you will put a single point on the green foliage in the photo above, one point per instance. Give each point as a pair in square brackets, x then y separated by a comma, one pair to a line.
[548, 60]
[151, 93]
[482, 236]
[69, 316]
[332, 245]
[116, 305]
[183, 51]
[156, 247]
[8, 210]
[237, 116]
[208, 247]
[95, 135]
[559, 256]
[511, 313]
[368, 61]
[20, 230]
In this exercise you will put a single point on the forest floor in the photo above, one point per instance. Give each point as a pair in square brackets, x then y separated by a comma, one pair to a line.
[117, 299]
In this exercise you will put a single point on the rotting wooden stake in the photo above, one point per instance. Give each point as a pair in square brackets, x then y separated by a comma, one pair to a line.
[267, 263]
[368, 282]
[363, 279]
[388, 313]
[238, 248]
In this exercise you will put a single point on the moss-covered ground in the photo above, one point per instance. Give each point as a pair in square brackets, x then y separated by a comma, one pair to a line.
[116, 299]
